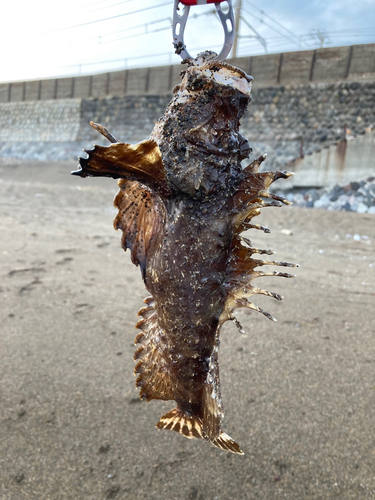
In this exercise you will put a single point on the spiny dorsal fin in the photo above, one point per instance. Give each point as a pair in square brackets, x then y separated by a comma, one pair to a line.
[253, 187]
[241, 271]
[141, 162]
[141, 216]
[153, 378]
[241, 266]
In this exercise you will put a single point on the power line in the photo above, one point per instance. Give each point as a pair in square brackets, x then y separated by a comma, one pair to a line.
[96, 3]
[274, 29]
[157, 30]
[257, 35]
[357, 31]
[130, 58]
[143, 25]
[108, 6]
[106, 18]
[280, 40]
[269, 17]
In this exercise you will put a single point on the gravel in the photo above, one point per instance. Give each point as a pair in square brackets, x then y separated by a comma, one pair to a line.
[353, 197]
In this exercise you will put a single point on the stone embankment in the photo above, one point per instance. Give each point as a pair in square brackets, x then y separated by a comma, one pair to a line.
[296, 125]
[286, 122]
[294, 121]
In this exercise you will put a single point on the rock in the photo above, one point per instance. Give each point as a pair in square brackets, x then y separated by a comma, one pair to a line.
[338, 204]
[289, 197]
[362, 208]
[298, 199]
[336, 194]
[369, 201]
[357, 196]
[323, 202]
[311, 195]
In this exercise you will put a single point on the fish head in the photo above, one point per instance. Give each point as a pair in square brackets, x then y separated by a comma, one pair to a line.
[199, 135]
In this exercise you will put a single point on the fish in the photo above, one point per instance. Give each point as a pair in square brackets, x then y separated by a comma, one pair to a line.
[184, 201]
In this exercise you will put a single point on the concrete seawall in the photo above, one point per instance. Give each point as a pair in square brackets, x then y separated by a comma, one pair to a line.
[356, 62]
[349, 160]
[286, 122]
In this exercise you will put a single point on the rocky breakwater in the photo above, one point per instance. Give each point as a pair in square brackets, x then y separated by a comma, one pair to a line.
[353, 197]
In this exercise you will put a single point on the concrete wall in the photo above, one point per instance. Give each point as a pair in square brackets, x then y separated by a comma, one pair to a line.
[40, 121]
[286, 122]
[351, 159]
[350, 63]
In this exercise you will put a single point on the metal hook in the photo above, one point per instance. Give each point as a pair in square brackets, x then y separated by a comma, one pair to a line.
[179, 23]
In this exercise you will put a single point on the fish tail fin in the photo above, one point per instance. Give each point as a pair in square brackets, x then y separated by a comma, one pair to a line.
[191, 427]
[226, 443]
[177, 420]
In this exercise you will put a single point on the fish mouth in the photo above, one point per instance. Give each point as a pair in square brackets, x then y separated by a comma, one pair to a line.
[204, 70]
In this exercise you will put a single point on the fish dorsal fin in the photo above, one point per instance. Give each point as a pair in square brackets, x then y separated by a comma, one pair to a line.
[254, 186]
[141, 216]
[151, 369]
[241, 265]
[141, 162]
[241, 271]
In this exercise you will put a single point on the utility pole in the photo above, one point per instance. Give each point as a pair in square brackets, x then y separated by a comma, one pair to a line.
[237, 20]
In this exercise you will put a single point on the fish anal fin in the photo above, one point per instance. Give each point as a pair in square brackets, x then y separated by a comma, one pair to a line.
[177, 420]
[151, 368]
[141, 216]
[213, 411]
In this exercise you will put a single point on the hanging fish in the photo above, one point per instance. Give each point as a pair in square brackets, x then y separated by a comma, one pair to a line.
[183, 203]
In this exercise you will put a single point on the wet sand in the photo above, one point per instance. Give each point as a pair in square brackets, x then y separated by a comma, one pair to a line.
[299, 394]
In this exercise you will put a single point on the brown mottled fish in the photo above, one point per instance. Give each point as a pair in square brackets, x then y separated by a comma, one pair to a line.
[183, 203]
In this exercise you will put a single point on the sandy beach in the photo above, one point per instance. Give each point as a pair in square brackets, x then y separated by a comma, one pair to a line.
[299, 394]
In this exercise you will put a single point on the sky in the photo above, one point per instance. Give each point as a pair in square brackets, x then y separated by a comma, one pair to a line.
[47, 39]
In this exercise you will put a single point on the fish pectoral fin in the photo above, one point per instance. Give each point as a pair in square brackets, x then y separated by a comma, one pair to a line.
[141, 216]
[141, 162]
[152, 374]
[226, 443]
[177, 420]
